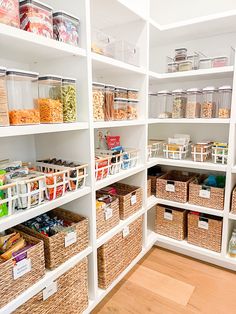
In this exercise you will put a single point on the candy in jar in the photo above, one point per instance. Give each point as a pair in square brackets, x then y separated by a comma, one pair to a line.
[9, 12]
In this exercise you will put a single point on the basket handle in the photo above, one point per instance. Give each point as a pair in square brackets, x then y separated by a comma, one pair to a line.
[170, 182]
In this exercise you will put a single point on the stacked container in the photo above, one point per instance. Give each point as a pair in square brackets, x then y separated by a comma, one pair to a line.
[10, 13]
[98, 101]
[224, 103]
[208, 108]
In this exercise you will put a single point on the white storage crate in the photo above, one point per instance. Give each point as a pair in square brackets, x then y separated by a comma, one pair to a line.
[220, 155]
[9, 198]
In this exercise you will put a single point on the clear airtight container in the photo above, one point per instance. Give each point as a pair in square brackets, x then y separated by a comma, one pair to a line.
[193, 106]
[4, 119]
[208, 107]
[9, 12]
[109, 101]
[224, 101]
[179, 103]
[180, 54]
[132, 109]
[121, 92]
[163, 108]
[98, 101]
[69, 99]
[101, 43]
[120, 109]
[50, 99]
[22, 90]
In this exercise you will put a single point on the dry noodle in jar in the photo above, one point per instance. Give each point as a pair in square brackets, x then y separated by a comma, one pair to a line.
[179, 103]
[69, 99]
[109, 102]
[98, 101]
[208, 107]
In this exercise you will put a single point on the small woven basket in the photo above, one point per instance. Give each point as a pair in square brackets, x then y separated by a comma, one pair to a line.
[149, 187]
[233, 202]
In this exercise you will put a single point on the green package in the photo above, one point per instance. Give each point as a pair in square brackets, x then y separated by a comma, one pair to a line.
[3, 207]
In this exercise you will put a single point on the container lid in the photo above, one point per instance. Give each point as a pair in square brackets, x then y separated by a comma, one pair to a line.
[193, 90]
[98, 84]
[17, 72]
[180, 49]
[120, 88]
[164, 92]
[3, 71]
[109, 86]
[209, 89]
[67, 15]
[178, 91]
[220, 57]
[152, 94]
[37, 3]
[132, 89]
[185, 61]
[121, 99]
[68, 80]
[133, 100]
[225, 87]
[50, 77]
[205, 59]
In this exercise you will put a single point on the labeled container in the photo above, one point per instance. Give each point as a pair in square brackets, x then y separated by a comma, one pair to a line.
[180, 54]
[186, 65]
[179, 103]
[132, 109]
[221, 61]
[69, 99]
[193, 106]
[66, 28]
[121, 92]
[36, 17]
[98, 101]
[4, 118]
[224, 101]
[109, 102]
[208, 107]
[50, 99]
[9, 13]
[205, 63]
[133, 93]
[120, 109]
[22, 90]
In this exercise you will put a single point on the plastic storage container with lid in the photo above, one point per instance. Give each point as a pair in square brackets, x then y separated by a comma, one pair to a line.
[205, 63]
[132, 109]
[120, 109]
[22, 90]
[121, 92]
[193, 106]
[172, 67]
[98, 101]
[125, 51]
[195, 60]
[109, 101]
[66, 28]
[180, 54]
[4, 119]
[179, 103]
[220, 61]
[50, 100]
[36, 17]
[101, 43]
[133, 93]
[69, 99]
[186, 65]
[162, 109]
[9, 12]
[208, 107]
[224, 101]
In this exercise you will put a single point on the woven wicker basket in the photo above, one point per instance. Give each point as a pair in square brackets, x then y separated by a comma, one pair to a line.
[71, 295]
[211, 197]
[233, 202]
[56, 252]
[149, 187]
[205, 232]
[171, 222]
[174, 186]
[116, 254]
[10, 288]
[103, 223]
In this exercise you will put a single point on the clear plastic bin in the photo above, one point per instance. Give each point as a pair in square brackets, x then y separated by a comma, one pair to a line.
[9, 13]
[50, 100]
[133, 93]
[193, 106]
[126, 52]
[36, 17]
[22, 90]
[172, 67]
[220, 61]
[132, 109]
[180, 54]
[98, 101]
[109, 101]
[179, 103]
[69, 99]
[224, 101]
[66, 28]
[121, 92]
[185, 65]
[4, 119]
[120, 109]
[163, 109]
[208, 107]
[101, 43]
[205, 63]
[195, 60]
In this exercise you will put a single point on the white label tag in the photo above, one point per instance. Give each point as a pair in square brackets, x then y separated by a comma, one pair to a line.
[203, 224]
[205, 193]
[168, 216]
[49, 291]
[133, 199]
[125, 231]
[21, 268]
[108, 213]
[170, 187]
[70, 238]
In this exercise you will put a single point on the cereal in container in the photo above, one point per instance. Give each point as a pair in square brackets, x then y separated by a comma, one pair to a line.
[36, 17]
[193, 106]
[109, 102]
[208, 107]
[9, 13]
[98, 101]
[4, 119]
[133, 93]
[121, 92]
[50, 99]
[69, 99]
[120, 109]
[179, 103]
[132, 109]
[22, 97]
[224, 101]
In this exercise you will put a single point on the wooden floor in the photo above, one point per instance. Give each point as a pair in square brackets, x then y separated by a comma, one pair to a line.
[168, 283]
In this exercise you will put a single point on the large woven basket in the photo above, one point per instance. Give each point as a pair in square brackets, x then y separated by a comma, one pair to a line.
[233, 202]
[107, 222]
[153, 183]
[174, 186]
[149, 187]
[56, 252]
[71, 295]
[10, 288]
[205, 232]
[211, 197]
[116, 254]
[171, 222]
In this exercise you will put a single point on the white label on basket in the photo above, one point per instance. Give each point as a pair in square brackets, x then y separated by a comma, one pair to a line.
[49, 291]
[205, 193]
[21, 268]
[70, 238]
[170, 187]
[133, 200]
[125, 231]
[203, 224]
[168, 216]
[108, 213]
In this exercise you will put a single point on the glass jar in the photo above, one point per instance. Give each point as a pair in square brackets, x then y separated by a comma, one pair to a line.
[4, 119]
[69, 99]
[180, 54]
[224, 101]
[221, 61]
[163, 108]
[22, 90]
[120, 109]
[205, 63]
[50, 99]
[109, 102]
[185, 65]
[133, 93]
[208, 107]
[132, 109]
[9, 13]
[121, 92]
[66, 28]
[193, 106]
[36, 17]
[179, 103]
[98, 101]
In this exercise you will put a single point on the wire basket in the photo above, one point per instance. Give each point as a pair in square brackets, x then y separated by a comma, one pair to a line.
[102, 166]
[201, 152]
[8, 199]
[220, 155]
[130, 158]
[116, 160]
[174, 151]
[154, 148]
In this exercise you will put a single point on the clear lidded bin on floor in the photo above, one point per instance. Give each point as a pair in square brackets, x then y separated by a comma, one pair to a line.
[69, 99]
[22, 88]
[98, 101]
[132, 109]
[179, 103]
[193, 106]
[208, 107]
[9, 13]
[4, 118]
[224, 101]
[120, 109]
[50, 99]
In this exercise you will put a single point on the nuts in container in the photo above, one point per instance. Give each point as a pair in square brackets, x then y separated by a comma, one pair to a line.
[120, 109]
[133, 93]
[208, 107]
[224, 105]
[98, 101]
[179, 103]
[193, 105]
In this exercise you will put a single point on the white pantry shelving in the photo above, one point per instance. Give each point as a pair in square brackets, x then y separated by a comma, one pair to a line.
[76, 141]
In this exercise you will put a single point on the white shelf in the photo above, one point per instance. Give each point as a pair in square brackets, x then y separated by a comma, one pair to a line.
[116, 124]
[232, 216]
[189, 121]
[233, 169]
[50, 276]
[24, 215]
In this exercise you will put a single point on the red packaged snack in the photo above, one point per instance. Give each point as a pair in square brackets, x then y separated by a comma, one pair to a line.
[103, 164]
[113, 141]
[9, 12]
[36, 17]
